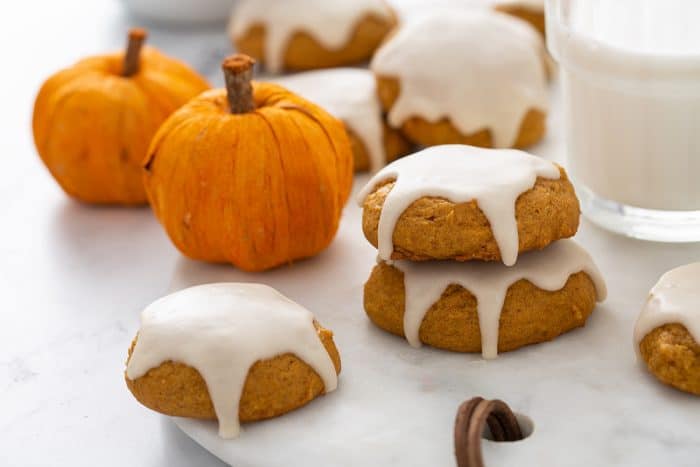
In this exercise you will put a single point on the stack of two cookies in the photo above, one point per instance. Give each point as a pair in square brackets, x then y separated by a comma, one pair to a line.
[449, 223]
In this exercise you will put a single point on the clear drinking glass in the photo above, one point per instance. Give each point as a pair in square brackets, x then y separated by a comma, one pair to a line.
[630, 72]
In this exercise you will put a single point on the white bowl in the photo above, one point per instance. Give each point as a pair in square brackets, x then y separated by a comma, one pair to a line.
[181, 11]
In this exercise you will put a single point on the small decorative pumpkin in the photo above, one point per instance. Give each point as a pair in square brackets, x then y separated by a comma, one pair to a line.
[252, 174]
[93, 121]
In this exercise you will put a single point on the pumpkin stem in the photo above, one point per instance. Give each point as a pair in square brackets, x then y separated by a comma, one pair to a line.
[238, 73]
[132, 58]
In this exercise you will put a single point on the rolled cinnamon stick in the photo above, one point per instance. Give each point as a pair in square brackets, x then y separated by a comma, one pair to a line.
[472, 417]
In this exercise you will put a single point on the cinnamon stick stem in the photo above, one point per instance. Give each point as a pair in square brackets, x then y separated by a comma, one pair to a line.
[132, 58]
[238, 74]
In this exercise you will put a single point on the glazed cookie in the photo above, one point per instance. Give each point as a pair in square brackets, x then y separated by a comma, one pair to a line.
[308, 34]
[465, 203]
[667, 334]
[486, 307]
[531, 11]
[436, 96]
[232, 352]
[350, 94]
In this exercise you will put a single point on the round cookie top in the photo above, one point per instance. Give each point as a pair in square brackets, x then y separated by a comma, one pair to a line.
[349, 94]
[496, 78]
[674, 299]
[493, 178]
[221, 330]
[548, 269]
[331, 22]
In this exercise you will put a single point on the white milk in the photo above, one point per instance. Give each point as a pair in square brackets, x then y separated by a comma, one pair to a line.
[631, 81]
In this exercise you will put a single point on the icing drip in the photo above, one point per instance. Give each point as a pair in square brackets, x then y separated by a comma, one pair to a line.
[221, 330]
[674, 299]
[351, 95]
[331, 22]
[498, 76]
[548, 269]
[493, 178]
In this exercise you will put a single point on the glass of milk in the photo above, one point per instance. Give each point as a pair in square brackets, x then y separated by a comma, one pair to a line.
[630, 73]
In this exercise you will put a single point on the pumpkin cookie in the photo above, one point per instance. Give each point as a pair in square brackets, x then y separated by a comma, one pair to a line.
[232, 352]
[485, 307]
[531, 11]
[350, 94]
[436, 96]
[253, 175]
[465, 203]
[93, 121]
[309, 34]
[668, 330]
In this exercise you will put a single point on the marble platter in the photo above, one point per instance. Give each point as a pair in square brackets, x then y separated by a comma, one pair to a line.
[589, 400]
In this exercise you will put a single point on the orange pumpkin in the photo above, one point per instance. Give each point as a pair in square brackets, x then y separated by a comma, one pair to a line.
[252, 174]
[93, 121]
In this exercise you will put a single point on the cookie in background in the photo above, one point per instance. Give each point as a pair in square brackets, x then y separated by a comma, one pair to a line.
[350, 94]
[310, 34]
[494, 93]
[531, 11]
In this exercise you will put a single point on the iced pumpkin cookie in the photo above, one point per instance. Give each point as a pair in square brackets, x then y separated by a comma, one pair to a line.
[350, 94]
[491, 94]
[667, 334]
[464, 203]
[531, 11]
[309, 34]
[232, 352]
[486, 307]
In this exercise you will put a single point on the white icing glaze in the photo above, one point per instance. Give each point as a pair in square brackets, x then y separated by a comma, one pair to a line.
[331, 22]
[548, 269]
[222, 330]
[494, 178]
[674, 299]
[480, 69]
[350, 94]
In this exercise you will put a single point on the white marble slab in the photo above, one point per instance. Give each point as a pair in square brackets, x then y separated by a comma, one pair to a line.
[591, 403]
